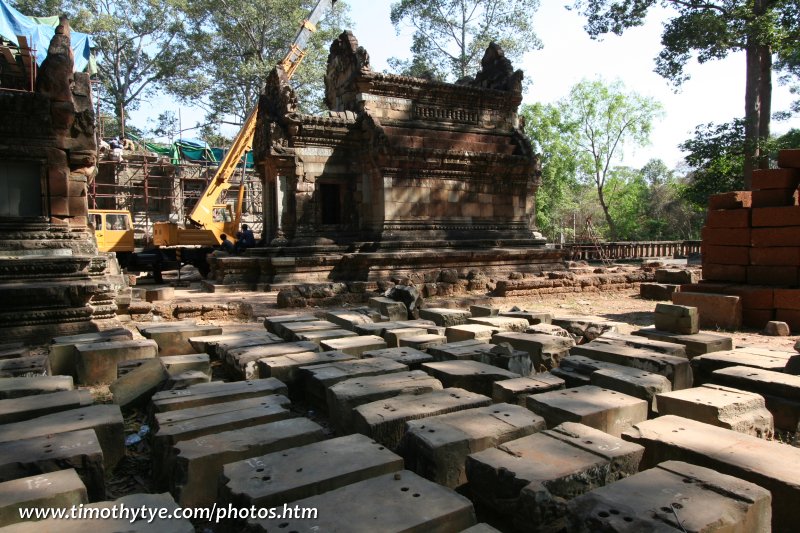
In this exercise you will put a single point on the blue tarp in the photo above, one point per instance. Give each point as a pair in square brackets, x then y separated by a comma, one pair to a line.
[13, 23]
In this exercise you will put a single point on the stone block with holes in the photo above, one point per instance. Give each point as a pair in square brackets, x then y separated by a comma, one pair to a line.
[215, 392]
[599, 408]
[437, 447]
[699, 499]
[285, 367]
[411, 357]
[27, 407]
[31, 386]
[728, 452]
[545, 350]
[275, 478]
[208, 343]
[244, 362]
[469, 375]
[401, 501]
[318, 378]
[527, 481]
[346, 395]
[516, 390]
[59, 489]
[355, 346]
[199, 461]
[761, 358]
[385, 420]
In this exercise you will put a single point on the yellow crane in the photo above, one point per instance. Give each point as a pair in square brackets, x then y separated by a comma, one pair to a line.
[210, 219]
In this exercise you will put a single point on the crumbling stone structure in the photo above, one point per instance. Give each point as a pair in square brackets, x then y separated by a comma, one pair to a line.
[402, 175]
[52, 280]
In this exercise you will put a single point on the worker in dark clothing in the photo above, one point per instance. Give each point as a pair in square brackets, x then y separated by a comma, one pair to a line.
[226, 245]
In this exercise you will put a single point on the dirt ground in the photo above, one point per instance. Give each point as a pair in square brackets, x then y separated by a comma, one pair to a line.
[621, 306]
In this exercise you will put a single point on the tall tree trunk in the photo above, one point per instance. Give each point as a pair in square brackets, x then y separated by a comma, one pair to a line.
[752, 111]
[765, 57]
[612, 227]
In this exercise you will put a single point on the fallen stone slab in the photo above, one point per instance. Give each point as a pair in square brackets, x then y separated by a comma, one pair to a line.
[208, 344]
[452, 351]
[467, 332]
[549, 329]
[781, 392]
[501, 323]
[318, 378]
[585, 328]
[528, 480]
[503, 356]
[676, 369]
[291, 330]
[274, 324]
[62, 349]
[96, 363]
[383, 503]
[380, 328]
[714, 311]
[243, 363]
[545, 350]
[285, 367]
[675, 276]
[389, 308]
[720, 406]
[445, 317]
[437, 447]
[138, 385]
[349, 319]
[105, 420]
[603, 409]
[681, 319]
[355, 346]
[697, 344]
[483, 310]
[216, 392]
[423, 342]
[533, 317]
[636, 341]
[43, 454]
[773, 360]
[469, 375]
[728, 452]
[226, 349]
[107, 524]
[183, 415]
[319, 337]
[385, 420]
[656, 499]
[29, 366]
[515, 390]
[346, 395]
[178, 364]
[410, 357]
[31, 386]
[657, 291]
[57, 490]
[301, 472]
[27, 407]
[633, 382]
[393, 336]
[174, 340]
[199, 462]
[184, 380]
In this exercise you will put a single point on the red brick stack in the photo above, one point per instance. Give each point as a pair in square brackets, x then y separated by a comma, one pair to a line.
[751, 245]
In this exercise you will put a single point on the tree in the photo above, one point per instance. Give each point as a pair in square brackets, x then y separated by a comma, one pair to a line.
[763, 29]
[450, 36]
[238, 42]
[601, 120]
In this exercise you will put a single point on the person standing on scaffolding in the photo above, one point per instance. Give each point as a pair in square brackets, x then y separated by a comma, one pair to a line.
[116, 149]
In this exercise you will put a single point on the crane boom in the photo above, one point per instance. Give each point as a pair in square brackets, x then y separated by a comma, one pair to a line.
[202, 215]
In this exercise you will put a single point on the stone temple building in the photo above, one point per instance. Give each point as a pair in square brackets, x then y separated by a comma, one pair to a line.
[52, 280]
[401, 175]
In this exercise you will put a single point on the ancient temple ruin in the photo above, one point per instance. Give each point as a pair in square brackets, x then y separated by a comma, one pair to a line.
[401, 175]
[52, 280]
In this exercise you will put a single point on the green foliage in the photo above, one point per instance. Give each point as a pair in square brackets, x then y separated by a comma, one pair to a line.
[450, 36]
[236, 44]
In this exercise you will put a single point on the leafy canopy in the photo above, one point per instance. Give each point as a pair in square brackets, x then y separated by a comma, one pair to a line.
[450, 36]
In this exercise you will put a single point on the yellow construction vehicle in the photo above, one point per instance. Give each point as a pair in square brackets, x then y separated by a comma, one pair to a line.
[113, 229]
[208, 219]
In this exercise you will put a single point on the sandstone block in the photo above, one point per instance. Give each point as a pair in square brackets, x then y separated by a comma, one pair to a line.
[243, 362]
[545, 350]
[775, 328]
[62, 349]
[676, 276]
[226, 349]
[97, 362]
[285, 367]
[27, 407]
[657, 291]
[466, 332]
[635, 341]
[469, 375]
[348, 319]
[318, 378]
[585, 328]
[58, 489]
[304, 471]
[384, 503]
[183, 415]
[215, 392]
[355, 346]
[515, 390]
[701, 498]
[677, 318]
[715, 311]
[423, 342]
[727, 218]
[208, 343]
[669, 437]
[385, 420]
[31, 365]
[445, 317]
[390, 308]
[346, 395]
[533, 317]
[411, 357]
[730, 200]
[184, 380]
[199, 462]
[483, 310]
[274, 323]
[501, 323]
[159, 294]
[764, 359]
[633, 382]
[174, 340]
[138, 385]
[437, 447]
[697, 344]
[393, 336]
[457, 350]
[18, 387]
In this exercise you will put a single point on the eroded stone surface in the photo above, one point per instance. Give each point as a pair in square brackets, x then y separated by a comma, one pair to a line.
[702, 499]
[774, 360]
[18, 387]
[355, 346]
[285, 367]
[545, 350]
[437, 447]
[318, 378]
[501, 323]
[58, 489]
[469, 375]
[27, 407]
[676, 369]
[515, 390]
[445, 317]
[215, 392]
[97, 362]
[404, 355]
[696, 344]
[174, 340]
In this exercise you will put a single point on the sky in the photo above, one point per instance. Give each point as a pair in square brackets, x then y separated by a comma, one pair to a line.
[714, 92]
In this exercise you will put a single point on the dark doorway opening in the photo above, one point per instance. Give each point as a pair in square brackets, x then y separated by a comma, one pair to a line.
[331, 203]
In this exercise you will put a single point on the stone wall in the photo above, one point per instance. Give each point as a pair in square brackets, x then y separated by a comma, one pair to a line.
[52, 280]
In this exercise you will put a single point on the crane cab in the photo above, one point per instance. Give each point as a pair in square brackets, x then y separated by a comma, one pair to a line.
[113, 229]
